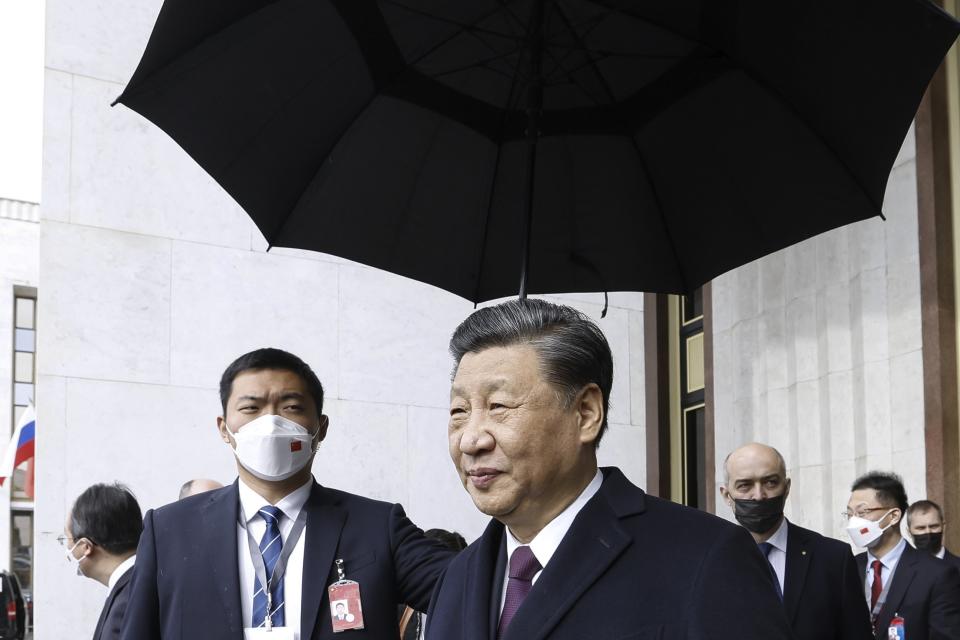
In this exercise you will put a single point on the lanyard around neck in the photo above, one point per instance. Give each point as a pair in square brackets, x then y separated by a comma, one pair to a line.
[256, 557]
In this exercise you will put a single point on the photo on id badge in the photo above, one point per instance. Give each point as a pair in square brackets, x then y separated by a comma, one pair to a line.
[345, 609]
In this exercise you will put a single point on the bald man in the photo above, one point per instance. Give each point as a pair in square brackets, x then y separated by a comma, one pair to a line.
[817, 577]
[198, 485]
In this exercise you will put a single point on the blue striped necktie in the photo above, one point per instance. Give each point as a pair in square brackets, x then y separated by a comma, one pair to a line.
[270, 547]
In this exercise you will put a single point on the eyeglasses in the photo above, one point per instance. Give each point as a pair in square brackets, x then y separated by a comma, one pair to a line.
[861, 513]
[62, 539]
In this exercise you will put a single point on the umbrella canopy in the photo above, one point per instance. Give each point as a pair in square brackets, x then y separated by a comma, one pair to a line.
[614, 145]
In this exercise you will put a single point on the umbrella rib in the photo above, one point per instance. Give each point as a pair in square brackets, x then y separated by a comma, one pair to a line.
[478, 63]
[463, 27]
[646, 169]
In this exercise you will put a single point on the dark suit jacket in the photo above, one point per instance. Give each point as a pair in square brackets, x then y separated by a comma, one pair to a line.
[186, 586]
[925, 592]
[951, 559]
[630, 567]
[822, 593]
[112, 614]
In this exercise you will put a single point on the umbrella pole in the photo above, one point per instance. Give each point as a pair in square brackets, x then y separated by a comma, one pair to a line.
[534, 108]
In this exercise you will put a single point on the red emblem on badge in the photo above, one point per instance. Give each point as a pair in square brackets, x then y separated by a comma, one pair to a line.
[864, 530]
[296, 445]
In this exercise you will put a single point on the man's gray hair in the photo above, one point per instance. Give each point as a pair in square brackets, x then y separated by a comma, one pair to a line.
[572, 349]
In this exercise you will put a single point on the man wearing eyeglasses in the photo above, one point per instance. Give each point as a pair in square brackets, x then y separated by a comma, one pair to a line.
[898, 580]
[101, 535]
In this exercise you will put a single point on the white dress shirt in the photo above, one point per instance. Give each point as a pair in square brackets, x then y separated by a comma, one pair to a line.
[545, 543]
[888, 566]
[291, 505]
[121, 569]
[778, 552]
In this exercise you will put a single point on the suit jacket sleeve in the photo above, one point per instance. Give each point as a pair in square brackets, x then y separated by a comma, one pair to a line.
[945, 607]
[855, 616]
[418, 560]
[733, 586]
[142, 619]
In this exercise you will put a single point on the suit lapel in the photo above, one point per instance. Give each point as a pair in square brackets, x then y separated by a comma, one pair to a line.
[902, 577]
[595, 540]
[106, 610]
[481, 605]
[798, 560]
[218, 515]
[325, 520]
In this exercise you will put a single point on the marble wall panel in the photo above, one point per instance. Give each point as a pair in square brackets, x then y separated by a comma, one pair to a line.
[906, 393]
[638, 396]
[105, 304]
[900, 208]
[101, 39]
[394, 334]
[226, 302]
[874, 314]
[903, 295]
[624, 446]
[57, 134]
[801, 272]
[365, 451]
[128, 175]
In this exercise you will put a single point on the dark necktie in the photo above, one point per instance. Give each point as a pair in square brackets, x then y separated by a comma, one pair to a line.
[270, 547]
[766, 547]
[523, 566]
[877, 587]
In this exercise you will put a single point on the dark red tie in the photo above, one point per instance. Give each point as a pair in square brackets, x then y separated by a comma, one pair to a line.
[877, 587]
[523, 566]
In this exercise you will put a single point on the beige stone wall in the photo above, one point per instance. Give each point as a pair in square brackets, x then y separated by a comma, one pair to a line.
[817, 352]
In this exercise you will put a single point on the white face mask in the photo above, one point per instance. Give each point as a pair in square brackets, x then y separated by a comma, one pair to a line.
[272, 447]
[866, 533]
[71, 559]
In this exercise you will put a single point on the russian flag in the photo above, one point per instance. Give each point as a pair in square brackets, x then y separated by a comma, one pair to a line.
[20, 448]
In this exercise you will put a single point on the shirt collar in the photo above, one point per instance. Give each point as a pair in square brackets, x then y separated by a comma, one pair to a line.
[891, 559]
[121, 569]
[290, 504]
[943, 552]
[779, 539]
[545, 543]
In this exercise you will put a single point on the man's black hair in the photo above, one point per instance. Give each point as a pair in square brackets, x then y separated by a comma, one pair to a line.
[269, 358]
[572, 350]
[451, 539]
[889, 488]
[108, 516]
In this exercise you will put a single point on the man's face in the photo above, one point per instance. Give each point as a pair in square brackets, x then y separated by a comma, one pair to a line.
[865, 504]
[925, 522]
[755, 473]
[516, 445]
[260, 392]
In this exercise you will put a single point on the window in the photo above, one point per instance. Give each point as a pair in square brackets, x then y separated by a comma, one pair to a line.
[24, 375]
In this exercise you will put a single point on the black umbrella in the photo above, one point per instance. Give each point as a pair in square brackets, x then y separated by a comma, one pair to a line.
[611, 145]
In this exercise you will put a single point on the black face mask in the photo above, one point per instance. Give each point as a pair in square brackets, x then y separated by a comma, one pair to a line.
[759, 516]
[929, 542]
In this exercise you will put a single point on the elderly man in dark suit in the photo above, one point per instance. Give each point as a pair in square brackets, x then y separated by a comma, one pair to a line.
[203, 575]
[574, 551]
[101, 536]
[926, 526]
[897, 579]
[817, 577]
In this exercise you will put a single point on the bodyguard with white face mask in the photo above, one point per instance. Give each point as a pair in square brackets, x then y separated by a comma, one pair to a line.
[276, 555]
[899, 581]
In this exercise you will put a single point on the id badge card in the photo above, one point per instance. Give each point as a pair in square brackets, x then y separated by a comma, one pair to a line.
[346, 612]
[261, 633]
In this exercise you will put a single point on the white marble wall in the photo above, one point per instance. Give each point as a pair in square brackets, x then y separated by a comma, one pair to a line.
[817, 352]
[19, 241]
[153, 280]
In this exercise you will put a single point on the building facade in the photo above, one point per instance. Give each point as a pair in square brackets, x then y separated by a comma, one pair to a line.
[149, 280]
